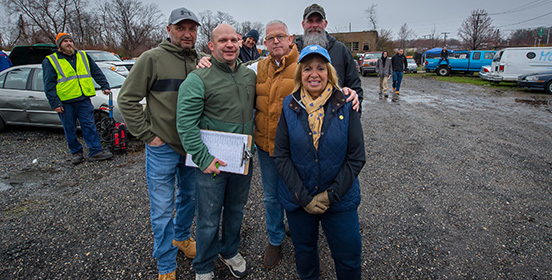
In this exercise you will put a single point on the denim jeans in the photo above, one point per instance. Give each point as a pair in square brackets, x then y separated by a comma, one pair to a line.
[164, 168]
[397, 79]
[83, 111]
[226, 191]
[445, 59]
[274, 212]
[342, 231]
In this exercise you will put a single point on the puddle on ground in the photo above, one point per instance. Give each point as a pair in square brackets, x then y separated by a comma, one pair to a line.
[534, 102]
[31, 177]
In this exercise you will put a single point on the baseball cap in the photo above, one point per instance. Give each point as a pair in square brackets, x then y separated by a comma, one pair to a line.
[314, 8]
[314, 49]
[181, 14]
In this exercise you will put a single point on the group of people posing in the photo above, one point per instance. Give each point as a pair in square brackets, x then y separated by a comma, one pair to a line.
[301, 104]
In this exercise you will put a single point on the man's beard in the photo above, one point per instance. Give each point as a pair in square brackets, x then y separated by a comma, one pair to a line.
[315, 38]
[68, 50]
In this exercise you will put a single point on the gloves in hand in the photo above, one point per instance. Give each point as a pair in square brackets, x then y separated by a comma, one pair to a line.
[319, 204]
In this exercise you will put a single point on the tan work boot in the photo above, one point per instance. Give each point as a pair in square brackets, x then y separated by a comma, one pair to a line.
[168, 276]
[397, 92]
[187, 246]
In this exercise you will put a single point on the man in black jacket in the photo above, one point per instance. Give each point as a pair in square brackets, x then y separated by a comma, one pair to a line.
[248, 50]
[314, 24]
[444, 56]
[399, 65]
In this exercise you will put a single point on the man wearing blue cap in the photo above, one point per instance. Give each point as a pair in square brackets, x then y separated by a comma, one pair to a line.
[249, 49]
[156, 77]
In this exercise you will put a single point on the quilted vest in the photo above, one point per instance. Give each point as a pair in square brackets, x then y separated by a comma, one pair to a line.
[318, 169]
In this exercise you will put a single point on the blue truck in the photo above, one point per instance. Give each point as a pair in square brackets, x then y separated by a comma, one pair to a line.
[460, 61]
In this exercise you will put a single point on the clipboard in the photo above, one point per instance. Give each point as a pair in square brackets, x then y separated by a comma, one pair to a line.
[232, 148]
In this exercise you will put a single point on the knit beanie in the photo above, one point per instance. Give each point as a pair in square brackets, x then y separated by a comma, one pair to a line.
[253, 34]
[62, 36]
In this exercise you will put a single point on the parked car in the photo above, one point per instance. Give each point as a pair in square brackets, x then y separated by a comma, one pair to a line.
[369, 62]
[23, 101]
[412, 66]
[459, 61]
[511, 63]
[539, 81]
[111, 60]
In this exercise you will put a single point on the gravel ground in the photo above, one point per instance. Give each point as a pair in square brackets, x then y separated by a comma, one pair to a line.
[458, 184]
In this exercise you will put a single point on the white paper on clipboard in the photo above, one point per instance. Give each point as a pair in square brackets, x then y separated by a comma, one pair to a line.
[232, 148]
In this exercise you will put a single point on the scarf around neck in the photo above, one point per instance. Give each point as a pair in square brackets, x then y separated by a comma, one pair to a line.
[315, 111]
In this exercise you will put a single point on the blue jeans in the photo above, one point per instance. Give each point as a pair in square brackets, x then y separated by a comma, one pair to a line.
[164, 168]
[445, 59]
[84, 112]
[274, 212]
[342, 231]
[397, 79]
[226, 191]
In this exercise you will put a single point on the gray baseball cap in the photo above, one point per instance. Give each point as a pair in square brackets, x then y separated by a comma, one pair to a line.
[181, 14]
[314, 8]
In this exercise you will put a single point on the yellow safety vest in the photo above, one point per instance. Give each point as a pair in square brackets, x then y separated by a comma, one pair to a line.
[70, 83]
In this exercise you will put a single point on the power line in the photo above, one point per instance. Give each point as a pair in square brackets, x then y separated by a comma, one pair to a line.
[523, 7]
[525, 20]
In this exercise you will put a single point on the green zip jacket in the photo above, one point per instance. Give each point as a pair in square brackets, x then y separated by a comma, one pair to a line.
[156, 76]
[216, 98]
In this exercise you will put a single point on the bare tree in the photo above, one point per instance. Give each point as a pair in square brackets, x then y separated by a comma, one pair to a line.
[46, 18]
[477, 31]
[404, 35]
[385, 40]
[133, 25]
[372, 16]
[208, 22]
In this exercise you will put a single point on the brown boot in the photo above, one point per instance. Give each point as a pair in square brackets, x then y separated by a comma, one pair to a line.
[187, 246]
[271, 256]
[168, 276]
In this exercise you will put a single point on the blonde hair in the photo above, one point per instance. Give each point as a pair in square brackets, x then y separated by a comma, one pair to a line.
[332, 74]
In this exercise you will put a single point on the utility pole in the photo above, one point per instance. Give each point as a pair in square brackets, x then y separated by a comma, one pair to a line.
[445, 33]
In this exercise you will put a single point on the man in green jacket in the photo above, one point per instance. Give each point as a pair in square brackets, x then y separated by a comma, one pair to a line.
[219, 98]
[156, 77]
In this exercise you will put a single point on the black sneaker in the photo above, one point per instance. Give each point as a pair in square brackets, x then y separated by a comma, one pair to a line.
[77, 158]
[103, 155]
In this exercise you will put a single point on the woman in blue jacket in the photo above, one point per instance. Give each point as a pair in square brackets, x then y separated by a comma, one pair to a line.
[319, 152]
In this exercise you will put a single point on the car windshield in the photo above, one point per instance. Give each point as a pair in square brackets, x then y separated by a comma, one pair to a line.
[102, 56]
[114, 79]
[410, 60]
[372, 55]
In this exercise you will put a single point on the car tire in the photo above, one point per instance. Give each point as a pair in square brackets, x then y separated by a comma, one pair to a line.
[363, 73]
[443, 71]
[547, 88]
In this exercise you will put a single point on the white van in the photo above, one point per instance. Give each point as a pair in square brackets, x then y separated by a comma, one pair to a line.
[510, 63]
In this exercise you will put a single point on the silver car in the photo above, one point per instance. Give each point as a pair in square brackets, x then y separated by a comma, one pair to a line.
[23, 101]
[111, 61]
[412, 66]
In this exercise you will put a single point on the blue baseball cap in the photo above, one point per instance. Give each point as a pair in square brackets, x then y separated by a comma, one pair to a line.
[314, 49]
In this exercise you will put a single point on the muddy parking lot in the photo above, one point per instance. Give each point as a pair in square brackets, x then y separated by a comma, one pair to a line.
[457, 184]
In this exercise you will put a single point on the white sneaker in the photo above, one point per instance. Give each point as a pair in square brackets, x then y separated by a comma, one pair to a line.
[237, 265]
[206, 276]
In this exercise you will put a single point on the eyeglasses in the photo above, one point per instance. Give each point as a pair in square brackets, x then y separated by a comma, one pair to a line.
[280, 37]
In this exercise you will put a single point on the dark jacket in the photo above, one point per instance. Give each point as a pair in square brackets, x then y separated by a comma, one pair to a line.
[343, 62]
[305, 171]
[399, 63]
[49, 76]
[247, 54]
[444, 53]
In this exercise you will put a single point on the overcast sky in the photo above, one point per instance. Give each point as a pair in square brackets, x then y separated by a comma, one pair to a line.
[420, 15]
